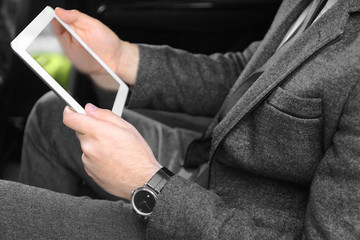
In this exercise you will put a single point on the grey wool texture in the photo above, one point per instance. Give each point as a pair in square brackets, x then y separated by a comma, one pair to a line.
[285, 160]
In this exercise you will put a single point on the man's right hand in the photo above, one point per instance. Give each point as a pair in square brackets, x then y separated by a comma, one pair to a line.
[122, 57]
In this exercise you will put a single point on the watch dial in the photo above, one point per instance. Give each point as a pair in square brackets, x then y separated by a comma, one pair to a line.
[144, 201]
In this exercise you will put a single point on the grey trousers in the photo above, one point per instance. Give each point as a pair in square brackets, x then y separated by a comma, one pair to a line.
[63, 201]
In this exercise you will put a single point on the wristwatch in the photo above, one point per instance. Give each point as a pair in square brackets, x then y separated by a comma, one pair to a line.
[143, 199]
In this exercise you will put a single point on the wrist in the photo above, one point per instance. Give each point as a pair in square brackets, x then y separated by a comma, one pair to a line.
[128, 62]
[151, 173]
[140, 180]
[144, 198]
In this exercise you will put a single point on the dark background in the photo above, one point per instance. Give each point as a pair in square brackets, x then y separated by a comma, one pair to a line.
[197, 26]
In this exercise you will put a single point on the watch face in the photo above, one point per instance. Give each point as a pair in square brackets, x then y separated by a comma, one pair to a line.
[143, 201]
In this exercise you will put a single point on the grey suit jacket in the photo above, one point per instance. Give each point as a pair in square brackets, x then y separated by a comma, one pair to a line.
[285, 161]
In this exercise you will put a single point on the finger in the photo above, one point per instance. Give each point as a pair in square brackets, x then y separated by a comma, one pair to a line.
[105, 115]
[75, 18]
[79, 122]
[68, 16]
[88, 145]
[85, 161]
[57, 27]
[62, 34]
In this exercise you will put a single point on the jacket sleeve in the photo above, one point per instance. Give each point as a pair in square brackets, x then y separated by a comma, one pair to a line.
[333, 211]
[175, 80]
[187, 211]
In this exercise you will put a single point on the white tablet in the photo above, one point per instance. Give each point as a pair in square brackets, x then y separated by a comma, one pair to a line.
[38, 46]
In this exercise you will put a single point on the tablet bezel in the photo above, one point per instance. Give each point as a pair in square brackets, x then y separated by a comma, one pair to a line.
[32, 31]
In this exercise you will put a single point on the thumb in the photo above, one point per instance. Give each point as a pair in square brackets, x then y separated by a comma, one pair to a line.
[76, 18]
[104, 115]
[68, 16]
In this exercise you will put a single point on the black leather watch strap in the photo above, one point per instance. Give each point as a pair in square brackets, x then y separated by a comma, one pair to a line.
[158, 181]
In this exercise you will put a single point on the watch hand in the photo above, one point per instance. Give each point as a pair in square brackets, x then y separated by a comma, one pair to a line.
[146, 204]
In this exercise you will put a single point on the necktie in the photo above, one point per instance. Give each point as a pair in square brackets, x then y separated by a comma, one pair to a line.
[230, 101]
[315, 9]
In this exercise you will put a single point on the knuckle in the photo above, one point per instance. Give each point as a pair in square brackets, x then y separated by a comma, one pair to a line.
[125, 124]
[88, 171]
[107, 111]
[75, 11]
[86, 149]
[95, 131]
[83, 158]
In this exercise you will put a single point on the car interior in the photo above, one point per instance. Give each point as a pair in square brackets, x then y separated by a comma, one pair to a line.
[198, 26]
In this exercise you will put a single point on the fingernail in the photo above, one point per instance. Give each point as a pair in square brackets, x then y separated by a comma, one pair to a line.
[68, 109]
[60, 9]
[92, 107]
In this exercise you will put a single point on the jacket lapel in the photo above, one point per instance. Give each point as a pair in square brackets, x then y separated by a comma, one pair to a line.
[328, 28]
[287, 14]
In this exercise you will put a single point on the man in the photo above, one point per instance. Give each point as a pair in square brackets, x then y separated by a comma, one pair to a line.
[280, 159]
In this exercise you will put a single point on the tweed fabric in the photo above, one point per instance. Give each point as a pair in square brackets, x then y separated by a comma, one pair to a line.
[35, 213]
[51, 160]
[285, 160]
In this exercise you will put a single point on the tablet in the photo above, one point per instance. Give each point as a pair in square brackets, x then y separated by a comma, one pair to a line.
[40, 49]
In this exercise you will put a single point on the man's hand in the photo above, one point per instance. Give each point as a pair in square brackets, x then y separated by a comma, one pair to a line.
[122, 57]
[115, 155]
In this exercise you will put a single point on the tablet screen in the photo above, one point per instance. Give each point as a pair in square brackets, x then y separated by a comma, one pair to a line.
[47, 51]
